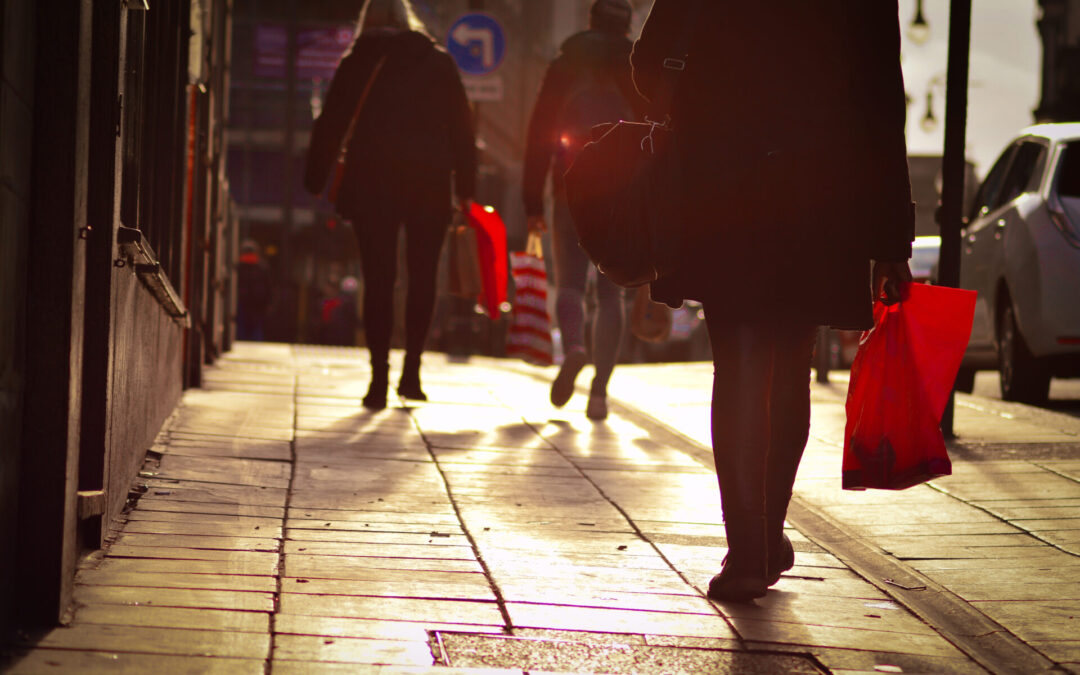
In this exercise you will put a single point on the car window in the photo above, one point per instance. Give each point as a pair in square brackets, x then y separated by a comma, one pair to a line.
[1025, 165]
[1068, 178]
[1040, 168]
[988, 191]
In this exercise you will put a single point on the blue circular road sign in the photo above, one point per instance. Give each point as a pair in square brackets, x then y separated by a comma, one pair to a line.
[477, 42]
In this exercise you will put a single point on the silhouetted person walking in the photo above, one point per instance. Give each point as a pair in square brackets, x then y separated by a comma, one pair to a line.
[587, 84]
[790, 121]
[253, 292]
[412, 132]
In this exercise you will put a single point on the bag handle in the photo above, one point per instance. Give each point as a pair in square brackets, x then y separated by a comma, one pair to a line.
[535, 245]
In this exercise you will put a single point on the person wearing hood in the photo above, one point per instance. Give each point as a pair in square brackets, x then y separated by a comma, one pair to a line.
[411, 132]
[588, 83]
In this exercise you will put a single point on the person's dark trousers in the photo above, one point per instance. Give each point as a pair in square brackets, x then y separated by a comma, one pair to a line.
[572, 268]
[378, 243]
[760, 425]
[249, 326]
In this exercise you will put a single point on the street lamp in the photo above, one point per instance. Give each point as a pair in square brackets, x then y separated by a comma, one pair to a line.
[929, 121]
[919, 30]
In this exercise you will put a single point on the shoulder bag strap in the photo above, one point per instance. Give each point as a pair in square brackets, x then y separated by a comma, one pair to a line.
[351, 129]
[673, 66]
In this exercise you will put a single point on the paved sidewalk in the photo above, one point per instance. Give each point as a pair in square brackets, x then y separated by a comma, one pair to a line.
[996, 545]
[283, 529]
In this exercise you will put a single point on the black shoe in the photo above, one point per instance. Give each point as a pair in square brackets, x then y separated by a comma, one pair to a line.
[732, 585]
[746, 566]
[563, 386]
[375, 399]
[409, 387]
[782, 561]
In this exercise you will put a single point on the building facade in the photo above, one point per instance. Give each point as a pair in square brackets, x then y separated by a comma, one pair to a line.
[115, 263]
[1059, 28]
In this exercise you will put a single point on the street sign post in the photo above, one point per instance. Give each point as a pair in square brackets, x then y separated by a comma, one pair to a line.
[954, 160]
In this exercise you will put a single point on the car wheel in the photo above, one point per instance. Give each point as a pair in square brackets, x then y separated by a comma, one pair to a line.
[965, 380]
[1023, 377]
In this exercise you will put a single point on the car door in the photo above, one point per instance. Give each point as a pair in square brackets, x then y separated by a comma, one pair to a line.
[1013, 255]
[976, 262]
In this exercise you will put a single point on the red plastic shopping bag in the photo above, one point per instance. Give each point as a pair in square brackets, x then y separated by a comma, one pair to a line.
[491, 251]
[529, 336]
[900, 384]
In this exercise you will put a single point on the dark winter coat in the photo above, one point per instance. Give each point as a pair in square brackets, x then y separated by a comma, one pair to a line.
[581, 53]
[414, 130]
[790, 119]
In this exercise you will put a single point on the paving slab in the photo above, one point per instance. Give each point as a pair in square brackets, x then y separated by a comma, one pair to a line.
[459, 589]
[308, 648]
[402, 609]
[96, 612]
[566, 617]
[214, 582]
[380, 629]
[151, 640]
[126, 663]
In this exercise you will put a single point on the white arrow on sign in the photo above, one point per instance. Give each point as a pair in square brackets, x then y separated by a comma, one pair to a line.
[465, 34]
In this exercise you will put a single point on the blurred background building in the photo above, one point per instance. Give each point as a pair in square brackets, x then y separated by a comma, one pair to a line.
[284, 55]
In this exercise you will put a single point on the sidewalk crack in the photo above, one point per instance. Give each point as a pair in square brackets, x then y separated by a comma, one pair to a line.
[279, 576]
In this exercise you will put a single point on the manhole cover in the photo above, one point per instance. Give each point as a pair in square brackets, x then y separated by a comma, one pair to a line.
[608, 655]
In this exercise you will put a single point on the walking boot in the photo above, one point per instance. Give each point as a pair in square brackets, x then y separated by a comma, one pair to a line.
[596, 409]
[563, 386]
[745, 571]
[781, 559]
[781, 552]
[409, 386]
[375, 399]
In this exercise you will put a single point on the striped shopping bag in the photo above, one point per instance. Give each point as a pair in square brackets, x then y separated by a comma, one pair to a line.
[529, 337]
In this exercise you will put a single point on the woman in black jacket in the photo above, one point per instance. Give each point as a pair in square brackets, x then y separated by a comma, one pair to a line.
[790, 121]
[411, 134]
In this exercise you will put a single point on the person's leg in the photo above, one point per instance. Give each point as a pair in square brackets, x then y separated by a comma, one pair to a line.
[571, 272]
[378, 257]
[608, 329]
[743, 364]
[424, 238]
[789, 423]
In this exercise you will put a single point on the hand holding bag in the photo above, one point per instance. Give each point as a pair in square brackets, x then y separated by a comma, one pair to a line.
[529, 336]
[649, 321]
[464, 279]
[900, 384]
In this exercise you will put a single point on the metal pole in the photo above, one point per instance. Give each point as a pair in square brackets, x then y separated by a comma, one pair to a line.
[954, 161]
[285, 262]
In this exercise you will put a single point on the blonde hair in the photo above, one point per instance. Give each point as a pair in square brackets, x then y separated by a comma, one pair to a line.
[393, 15]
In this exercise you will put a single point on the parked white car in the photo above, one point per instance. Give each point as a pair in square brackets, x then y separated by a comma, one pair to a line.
[1021, 252]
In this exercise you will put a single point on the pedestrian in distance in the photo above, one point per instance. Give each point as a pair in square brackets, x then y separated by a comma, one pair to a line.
[253, 292]
[587, 84]
[412, 130]
[789, 120]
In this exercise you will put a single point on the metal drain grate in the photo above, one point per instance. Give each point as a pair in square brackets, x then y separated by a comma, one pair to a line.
[607, 654]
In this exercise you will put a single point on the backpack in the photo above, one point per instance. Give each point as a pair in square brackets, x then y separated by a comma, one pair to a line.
[594, 98]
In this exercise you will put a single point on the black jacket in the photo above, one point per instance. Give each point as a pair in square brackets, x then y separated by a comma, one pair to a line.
[790, 120]
[414, 130]
[585, 50]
